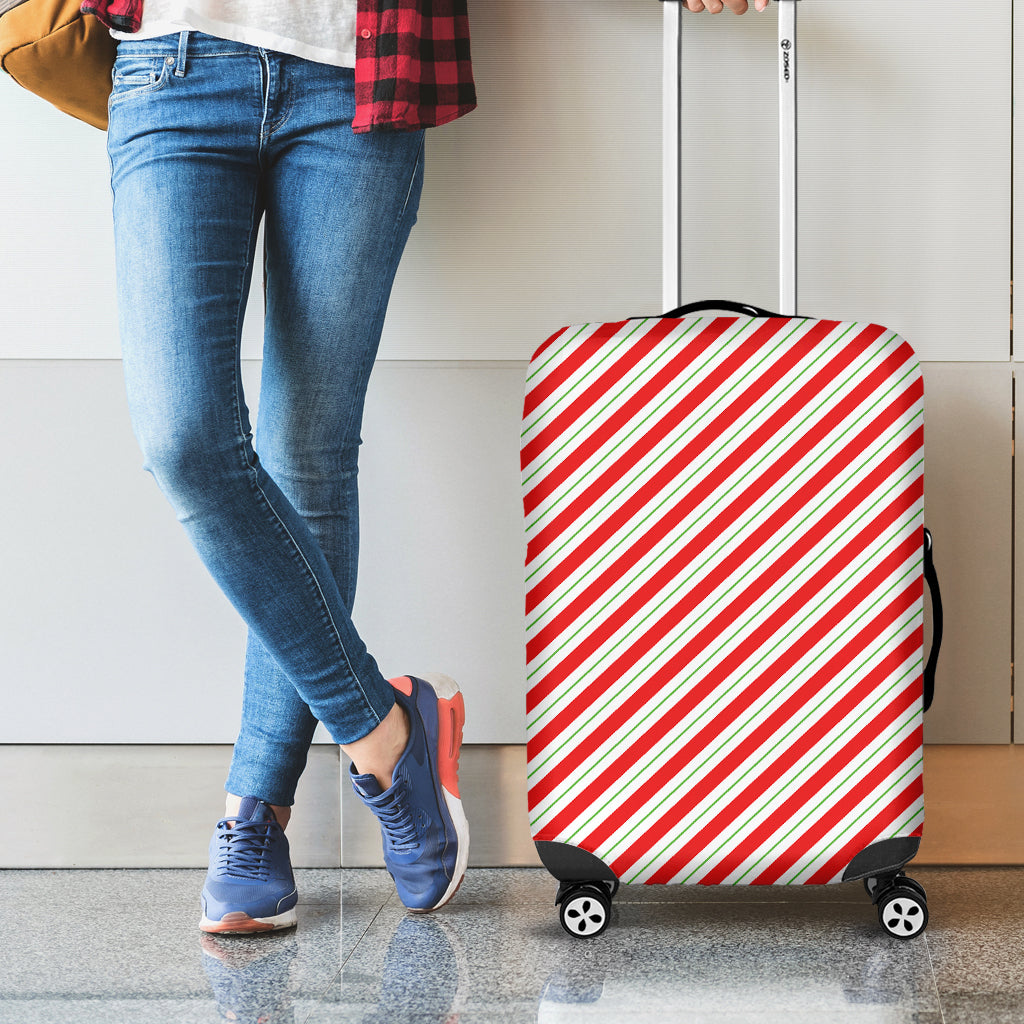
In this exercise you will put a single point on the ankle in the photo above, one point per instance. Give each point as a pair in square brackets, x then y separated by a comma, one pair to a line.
[232, 804]
[379, 752]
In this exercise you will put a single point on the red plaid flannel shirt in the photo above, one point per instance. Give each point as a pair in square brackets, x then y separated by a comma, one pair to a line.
[413, 68]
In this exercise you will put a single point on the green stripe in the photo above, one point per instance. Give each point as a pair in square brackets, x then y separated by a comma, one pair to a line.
[696, 671]
[662, 353]
[902, 832]
[780, 594]
[796, 578]
[610, 350]
[699, 767]
[757, 514]
[710, 456]
[700, 569]
[771, 698]
[562, 596]
[556, 352]
[880, 797]
[839, 785]
[756, 410]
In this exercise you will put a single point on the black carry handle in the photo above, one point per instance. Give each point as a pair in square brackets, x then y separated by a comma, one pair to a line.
[727, 304]
[932, 579]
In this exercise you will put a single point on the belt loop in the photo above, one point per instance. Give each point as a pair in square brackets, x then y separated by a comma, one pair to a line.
[179, 69]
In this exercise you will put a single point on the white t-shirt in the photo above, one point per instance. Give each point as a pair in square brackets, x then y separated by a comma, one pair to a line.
[320, 30]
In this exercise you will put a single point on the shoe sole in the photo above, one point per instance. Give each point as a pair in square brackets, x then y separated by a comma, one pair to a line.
[451, 716]
[240, 923]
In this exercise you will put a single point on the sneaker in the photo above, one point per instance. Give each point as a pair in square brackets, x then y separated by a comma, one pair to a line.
[426, 836]
[250, 886]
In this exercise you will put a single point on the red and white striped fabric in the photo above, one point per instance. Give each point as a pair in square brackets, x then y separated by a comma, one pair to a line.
[724, 596]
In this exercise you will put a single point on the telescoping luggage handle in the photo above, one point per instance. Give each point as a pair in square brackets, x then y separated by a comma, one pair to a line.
[671, 141]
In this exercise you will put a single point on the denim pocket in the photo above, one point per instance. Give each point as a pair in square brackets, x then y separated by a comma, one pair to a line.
[138, 74]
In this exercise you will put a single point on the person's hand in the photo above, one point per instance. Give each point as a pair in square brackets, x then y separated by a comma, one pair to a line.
[717, 6]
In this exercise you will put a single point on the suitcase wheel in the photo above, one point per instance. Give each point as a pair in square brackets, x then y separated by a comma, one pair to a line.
[585, 909]
[902, 905]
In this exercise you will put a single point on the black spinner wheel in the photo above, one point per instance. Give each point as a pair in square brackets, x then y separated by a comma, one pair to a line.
[585, 910]
[903, 910]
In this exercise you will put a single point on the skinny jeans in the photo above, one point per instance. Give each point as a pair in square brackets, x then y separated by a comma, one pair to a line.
[206, 138]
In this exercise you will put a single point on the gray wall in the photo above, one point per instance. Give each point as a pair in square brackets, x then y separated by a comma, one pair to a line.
[541, 208]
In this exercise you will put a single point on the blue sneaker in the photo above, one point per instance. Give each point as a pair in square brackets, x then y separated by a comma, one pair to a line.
[426, 836]
[250, 886]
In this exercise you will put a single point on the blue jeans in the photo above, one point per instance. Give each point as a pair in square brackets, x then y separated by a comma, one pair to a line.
[206, 137]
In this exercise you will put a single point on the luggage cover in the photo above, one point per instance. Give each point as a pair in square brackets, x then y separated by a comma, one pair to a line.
[724, 595]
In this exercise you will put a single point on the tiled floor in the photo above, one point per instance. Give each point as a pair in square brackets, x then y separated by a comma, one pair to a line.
[113, 946]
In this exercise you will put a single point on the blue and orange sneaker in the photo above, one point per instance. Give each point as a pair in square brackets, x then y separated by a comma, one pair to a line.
[424, 828]
[249, 886]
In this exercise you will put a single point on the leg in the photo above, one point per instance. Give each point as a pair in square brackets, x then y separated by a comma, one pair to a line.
[183, 273]
[339, 211]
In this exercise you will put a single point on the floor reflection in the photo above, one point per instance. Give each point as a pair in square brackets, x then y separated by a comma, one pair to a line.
[251, 976]
[498, 954]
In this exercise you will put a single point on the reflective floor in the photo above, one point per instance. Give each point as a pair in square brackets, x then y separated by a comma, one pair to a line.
[98, 946]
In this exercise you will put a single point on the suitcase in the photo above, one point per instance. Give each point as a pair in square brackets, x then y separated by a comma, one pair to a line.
[725, 569]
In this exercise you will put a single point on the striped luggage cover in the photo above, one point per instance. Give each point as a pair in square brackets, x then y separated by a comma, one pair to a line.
[724, 595]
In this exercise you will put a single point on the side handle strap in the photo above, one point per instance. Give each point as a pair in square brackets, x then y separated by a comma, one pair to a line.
[931, 577]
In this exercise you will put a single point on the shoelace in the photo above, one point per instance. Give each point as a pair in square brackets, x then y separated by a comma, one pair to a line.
[397, 822]
[244, 848]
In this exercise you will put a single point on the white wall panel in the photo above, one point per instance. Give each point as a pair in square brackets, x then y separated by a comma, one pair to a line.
[57, 260]
[968, 506]
[442, 546]
[904, 167]
[111, 630]
[543, 206]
